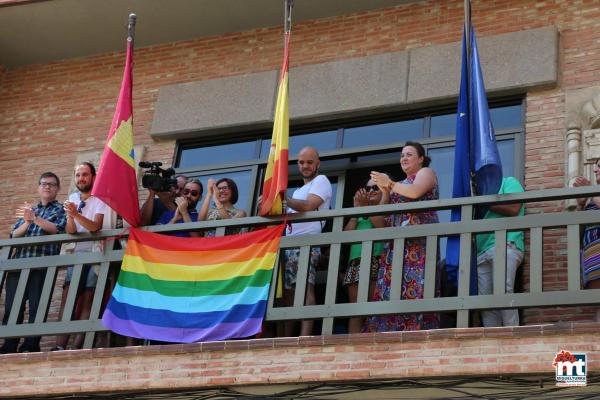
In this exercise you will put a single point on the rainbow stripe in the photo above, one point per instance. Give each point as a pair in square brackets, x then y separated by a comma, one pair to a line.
[186, 290]
[276, 174]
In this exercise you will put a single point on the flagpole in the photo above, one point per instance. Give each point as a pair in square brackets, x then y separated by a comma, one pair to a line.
[467, 7]
[287, 23]
[468, 34]
[131, 27]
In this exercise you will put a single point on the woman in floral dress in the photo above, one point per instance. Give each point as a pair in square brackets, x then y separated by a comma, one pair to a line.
[420, 184]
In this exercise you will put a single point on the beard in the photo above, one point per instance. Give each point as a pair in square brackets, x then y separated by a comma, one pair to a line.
[83, 188]
[192, 205]
[310, 175]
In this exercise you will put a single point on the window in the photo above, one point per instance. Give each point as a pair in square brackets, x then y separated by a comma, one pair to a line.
[209, 155]
[383, 133]
[242, 178]
[327, 141]
[351, 151]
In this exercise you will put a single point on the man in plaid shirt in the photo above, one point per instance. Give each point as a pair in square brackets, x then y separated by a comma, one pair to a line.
[46, 218]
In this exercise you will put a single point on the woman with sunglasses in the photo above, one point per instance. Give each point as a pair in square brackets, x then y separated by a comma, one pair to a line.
[420, 184]
[365, 196]
[224, 194]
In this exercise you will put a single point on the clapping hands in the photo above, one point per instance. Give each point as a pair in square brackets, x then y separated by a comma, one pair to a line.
[26, 212]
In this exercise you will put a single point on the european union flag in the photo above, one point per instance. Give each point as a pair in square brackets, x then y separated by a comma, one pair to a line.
[485, 158]
[476, 157]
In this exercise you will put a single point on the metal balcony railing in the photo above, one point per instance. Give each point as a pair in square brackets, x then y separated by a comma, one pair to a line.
[533, 224]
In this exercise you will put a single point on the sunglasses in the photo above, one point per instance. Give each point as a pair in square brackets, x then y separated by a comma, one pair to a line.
[192, 192]
[80, 207]
[373, 188]
[48, 184]
[222, 188]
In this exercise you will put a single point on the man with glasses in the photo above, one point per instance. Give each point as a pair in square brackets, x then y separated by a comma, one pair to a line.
[45, 218]
[186, 208]
[85, 213]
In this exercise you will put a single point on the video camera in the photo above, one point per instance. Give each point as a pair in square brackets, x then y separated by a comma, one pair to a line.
[156, 178]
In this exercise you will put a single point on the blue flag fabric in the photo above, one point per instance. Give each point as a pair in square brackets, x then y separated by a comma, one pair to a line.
[485, 158]
[475, 153]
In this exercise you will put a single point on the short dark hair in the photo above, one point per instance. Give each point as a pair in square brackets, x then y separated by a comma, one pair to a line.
[49, 175]
[90, 166]
[197, 182]
[420, 152]
[232, 188]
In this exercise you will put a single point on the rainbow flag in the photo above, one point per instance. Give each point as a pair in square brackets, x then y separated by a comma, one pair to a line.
[276, 175]
[186, 290]
[116, 183]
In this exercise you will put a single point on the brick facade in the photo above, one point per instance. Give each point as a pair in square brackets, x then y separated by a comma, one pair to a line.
[49, 113]
[482, 352]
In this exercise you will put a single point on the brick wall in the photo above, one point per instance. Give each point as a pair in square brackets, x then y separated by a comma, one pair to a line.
[51, 112]
[488, 352]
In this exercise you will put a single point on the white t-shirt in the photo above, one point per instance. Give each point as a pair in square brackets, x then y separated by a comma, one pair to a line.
[93, 206]
[320, 186]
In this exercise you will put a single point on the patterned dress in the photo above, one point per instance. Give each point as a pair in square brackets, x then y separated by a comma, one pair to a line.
[413, 270]
[591, 250]
[213, 215]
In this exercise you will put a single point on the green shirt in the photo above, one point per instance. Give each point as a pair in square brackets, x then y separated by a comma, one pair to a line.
[355, 249]
[487, 240]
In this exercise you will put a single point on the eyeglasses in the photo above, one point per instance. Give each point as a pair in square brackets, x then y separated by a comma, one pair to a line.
[48, 184]
[80, 207]
[373, 188]
[222, 188]
[192, 192]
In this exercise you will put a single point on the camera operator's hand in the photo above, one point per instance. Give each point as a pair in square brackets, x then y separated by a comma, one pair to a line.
[151, 194]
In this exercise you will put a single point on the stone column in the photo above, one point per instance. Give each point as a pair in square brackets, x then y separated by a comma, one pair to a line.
[573, 158]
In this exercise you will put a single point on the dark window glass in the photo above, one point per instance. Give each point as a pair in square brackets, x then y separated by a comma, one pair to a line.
[321, 141]
[443, 125]
[241, 179]
[442, 162]
[507, 157]
[383, 133]
[506, 117]
[378, 157]
[224, 153]
[502, 118]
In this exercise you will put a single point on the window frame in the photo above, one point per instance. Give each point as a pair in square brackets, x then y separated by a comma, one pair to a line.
[258, 164]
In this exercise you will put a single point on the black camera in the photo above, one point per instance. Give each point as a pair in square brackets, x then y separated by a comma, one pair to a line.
[157, 179]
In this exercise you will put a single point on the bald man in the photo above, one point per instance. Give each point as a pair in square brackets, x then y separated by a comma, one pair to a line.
[314, 195]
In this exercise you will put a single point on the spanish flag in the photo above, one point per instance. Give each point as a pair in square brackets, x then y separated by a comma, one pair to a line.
[116, 183]
[193, 289]
[276, 175]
